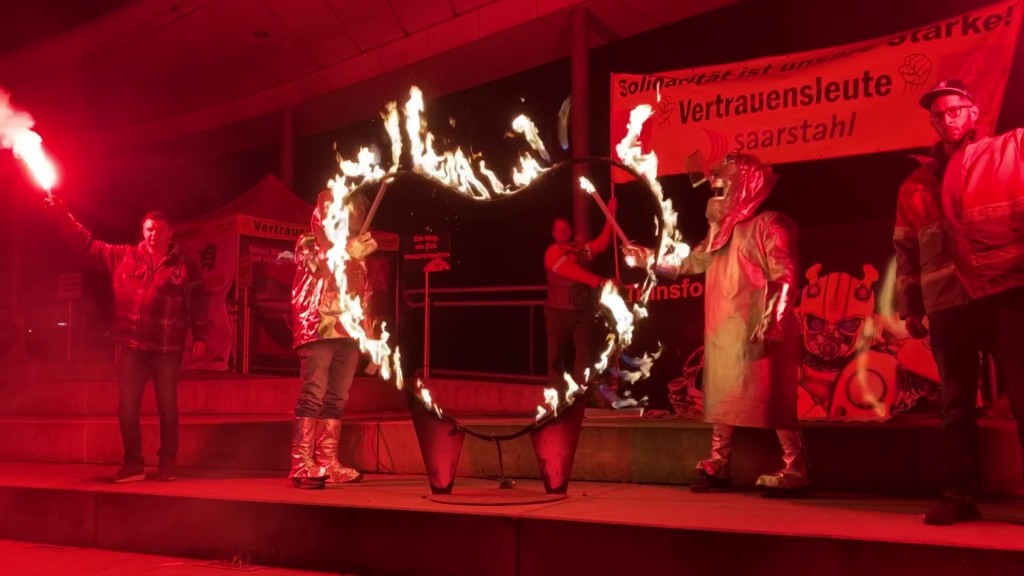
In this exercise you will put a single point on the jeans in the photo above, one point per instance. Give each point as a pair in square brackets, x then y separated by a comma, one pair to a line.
[326, 369]
[959, 335]
[570, 335]
[136, 367]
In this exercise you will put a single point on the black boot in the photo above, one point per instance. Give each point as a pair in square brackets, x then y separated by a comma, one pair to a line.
[952, 508]
[708, 483]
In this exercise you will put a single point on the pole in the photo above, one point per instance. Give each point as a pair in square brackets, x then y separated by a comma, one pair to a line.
[532, 310]
[615, 241]
[288, 148]
[611, 217]
[426, 324]
[245, 330]
[580, 116]
[71, 311]
[373, 207]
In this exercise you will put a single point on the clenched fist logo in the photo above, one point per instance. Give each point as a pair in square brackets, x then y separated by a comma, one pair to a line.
[915, 71]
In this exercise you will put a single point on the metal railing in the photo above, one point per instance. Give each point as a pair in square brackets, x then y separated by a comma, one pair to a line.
[476, 297]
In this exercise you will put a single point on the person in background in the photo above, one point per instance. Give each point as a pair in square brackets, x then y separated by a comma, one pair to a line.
[158, 298]
[569, 310]
[751, 334]
[328, 355]
[959, 240]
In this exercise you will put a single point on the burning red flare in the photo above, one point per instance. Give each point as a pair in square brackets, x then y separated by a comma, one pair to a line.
[16, 134]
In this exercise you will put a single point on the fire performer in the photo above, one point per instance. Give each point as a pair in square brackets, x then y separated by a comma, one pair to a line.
[328, 356]
[571, 300]
[751, 335]
[158, 297]
[960, 260]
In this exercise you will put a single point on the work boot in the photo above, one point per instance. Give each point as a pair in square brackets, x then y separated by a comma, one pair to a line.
[167, 471]
[793, 480]
[328, 435]
[713, 473]
[132, 472]
[305, 473]
[952, 508]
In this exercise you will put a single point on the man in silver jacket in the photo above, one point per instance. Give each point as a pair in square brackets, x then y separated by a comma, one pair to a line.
[751, 335]
[328, 356]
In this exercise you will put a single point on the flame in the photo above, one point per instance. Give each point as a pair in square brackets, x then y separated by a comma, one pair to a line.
[396, 359]
[366, 166]
[874, 326]
[394, 131]
[572, 386]
[643, 366]
[413, 109]
[16, 134]
[455, 169]
[364, 169]
[673, 250]
[492, 178]
[862, 373]
[611, 300]
[586, 185]
[551, 399]
[528, 129]
[887, 297]
[530, 169]
[602, 362]
[426, 399]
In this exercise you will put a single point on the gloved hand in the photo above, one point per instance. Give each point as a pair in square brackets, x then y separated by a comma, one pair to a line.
[636, 256]
[359, 247]
[54, 205]
[916, 327]
[768, 331]
[58, 211]
[777, 301]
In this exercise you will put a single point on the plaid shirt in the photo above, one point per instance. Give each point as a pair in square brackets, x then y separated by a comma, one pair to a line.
[155, 304]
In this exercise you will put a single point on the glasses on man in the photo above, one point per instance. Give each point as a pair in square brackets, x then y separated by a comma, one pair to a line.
[953, 113]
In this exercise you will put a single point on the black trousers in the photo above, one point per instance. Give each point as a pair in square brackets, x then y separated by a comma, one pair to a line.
[994, 324]
[571, 347]
[138, 366]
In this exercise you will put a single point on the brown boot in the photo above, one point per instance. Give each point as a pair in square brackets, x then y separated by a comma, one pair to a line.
[328, 434]
[305, 473]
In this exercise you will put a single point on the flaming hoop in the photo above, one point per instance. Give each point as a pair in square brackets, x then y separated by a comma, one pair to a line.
[455, 171]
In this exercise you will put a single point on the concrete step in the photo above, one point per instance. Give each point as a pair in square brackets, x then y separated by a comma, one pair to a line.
[895, 458]
[389, 525]
[33, 559]
[256, 395]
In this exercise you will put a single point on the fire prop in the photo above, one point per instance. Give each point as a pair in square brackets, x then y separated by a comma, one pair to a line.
[441, 435]
[17, 135]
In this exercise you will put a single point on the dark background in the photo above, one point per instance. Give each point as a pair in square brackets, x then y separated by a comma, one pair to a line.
[843, 206]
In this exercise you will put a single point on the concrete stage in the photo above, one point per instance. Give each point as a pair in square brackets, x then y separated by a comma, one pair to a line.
[628, 510]
[388, 525]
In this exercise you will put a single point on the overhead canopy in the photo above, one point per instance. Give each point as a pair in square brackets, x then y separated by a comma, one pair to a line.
[155, 70]
[270, 199]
